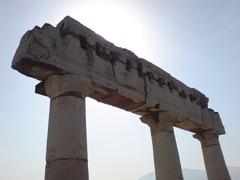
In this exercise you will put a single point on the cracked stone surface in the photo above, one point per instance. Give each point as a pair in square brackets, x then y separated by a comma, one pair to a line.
[112, 75]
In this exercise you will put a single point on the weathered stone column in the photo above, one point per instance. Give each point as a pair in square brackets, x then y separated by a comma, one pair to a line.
[67, 140]
[166, 158]
[213, 157]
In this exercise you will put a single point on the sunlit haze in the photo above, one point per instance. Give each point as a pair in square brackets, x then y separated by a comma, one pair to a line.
[195, 41]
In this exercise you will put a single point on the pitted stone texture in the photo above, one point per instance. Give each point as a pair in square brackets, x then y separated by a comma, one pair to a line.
[213, 156]
[67, 139]
[67, 129]
[166, 157]
[67, 169]
[115, 75]
[56, 85]
[73, 62]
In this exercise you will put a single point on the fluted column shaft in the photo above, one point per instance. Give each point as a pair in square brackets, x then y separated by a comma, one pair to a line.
[67, 138]
[165, 152]
[67, 143]
[213, 157]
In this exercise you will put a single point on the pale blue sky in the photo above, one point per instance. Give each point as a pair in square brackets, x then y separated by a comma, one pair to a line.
[198, 42]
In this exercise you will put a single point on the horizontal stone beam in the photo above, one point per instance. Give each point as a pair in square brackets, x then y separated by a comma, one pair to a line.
[113, 75]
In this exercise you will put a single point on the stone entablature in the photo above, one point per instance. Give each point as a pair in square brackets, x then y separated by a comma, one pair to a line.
[113, 75]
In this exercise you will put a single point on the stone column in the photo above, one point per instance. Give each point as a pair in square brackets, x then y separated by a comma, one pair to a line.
[67, 140]
[165, 152]
[213, 156]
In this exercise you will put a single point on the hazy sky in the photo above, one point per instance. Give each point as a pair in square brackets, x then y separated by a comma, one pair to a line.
[197, 42]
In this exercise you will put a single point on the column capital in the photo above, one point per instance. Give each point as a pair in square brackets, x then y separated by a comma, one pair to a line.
[207, 138]
[158, 121]
[65, 84]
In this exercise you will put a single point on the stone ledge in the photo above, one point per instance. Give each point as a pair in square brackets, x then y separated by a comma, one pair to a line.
[115, 75]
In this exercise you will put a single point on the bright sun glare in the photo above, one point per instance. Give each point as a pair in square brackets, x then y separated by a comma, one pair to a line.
[118, 24]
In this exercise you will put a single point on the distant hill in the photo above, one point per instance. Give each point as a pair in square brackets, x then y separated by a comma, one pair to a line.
[190, 174]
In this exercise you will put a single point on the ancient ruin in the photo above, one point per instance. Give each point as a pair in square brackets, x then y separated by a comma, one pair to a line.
[72, 62]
